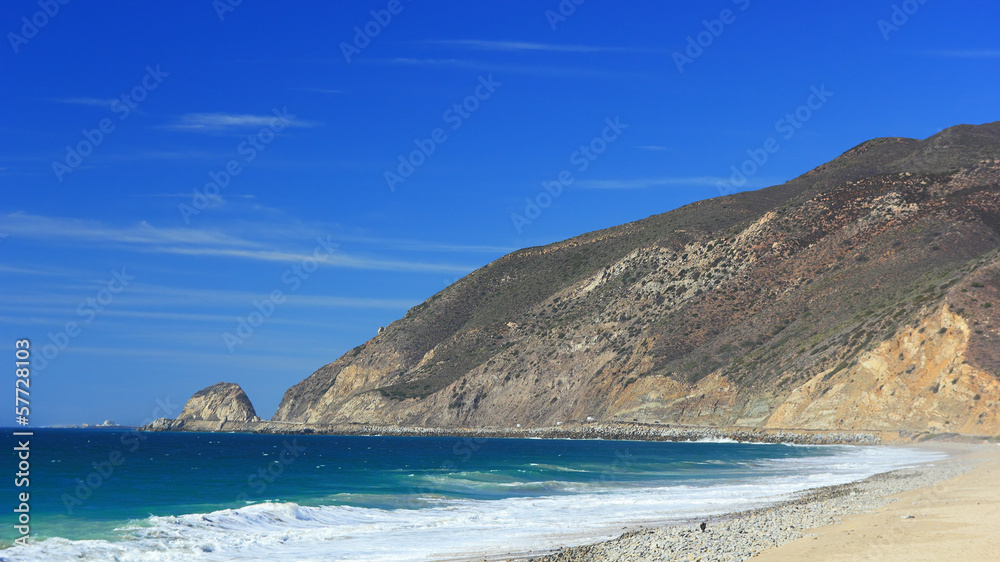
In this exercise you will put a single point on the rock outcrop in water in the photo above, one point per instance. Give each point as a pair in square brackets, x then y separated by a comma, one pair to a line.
[222, 402]
[857, 296]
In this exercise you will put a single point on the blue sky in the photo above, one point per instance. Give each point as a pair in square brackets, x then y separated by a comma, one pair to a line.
[168, 166]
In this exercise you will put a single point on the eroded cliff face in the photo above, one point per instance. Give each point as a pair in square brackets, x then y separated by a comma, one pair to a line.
[222, 402]
[918, 380]
[858, 296]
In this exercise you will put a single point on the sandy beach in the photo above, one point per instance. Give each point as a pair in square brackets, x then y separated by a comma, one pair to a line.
[953, 520]
[944, 510]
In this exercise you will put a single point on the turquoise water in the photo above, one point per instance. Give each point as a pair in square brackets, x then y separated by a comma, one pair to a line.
[97, 494]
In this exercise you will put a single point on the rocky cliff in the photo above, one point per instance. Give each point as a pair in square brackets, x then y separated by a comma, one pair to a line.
[222, 402]
[857, 296]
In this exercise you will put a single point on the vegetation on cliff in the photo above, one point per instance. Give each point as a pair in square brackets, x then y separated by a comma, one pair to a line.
[738, 310]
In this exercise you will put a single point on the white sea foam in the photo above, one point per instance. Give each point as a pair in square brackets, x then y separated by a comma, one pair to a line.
[450, 528]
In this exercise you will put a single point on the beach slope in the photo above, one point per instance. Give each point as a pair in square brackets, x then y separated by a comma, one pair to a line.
[952, 520]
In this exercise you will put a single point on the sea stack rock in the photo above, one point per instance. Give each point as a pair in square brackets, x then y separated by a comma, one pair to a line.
[222, 402]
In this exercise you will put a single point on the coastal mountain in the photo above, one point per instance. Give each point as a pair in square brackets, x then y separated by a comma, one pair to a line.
[860, 295]
[222, 402]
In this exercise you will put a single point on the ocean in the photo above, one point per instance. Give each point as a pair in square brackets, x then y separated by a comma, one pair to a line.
[104, 494]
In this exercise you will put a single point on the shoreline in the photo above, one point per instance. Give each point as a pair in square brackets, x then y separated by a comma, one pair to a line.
[764, 531]
[604, 430]
[629, 431]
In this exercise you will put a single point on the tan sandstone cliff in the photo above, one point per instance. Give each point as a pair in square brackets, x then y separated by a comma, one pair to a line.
[857, 296]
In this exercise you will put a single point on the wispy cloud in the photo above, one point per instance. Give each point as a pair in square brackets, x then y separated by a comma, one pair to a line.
[196, 242]
[97, 102]
[482, 66]
[58, 228]
[425, 246]
[163, 302]
[165, 294]
[322, 90]
[644, 183]
[654, 147]
[161, 195]
[21, 320]
[277, 360]
[132, 156]
[185, 195]
[522, 46]
[48, 315]
[966, 53]
[31, 271]
[336, 260]
[224, 122]
[351, 302]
